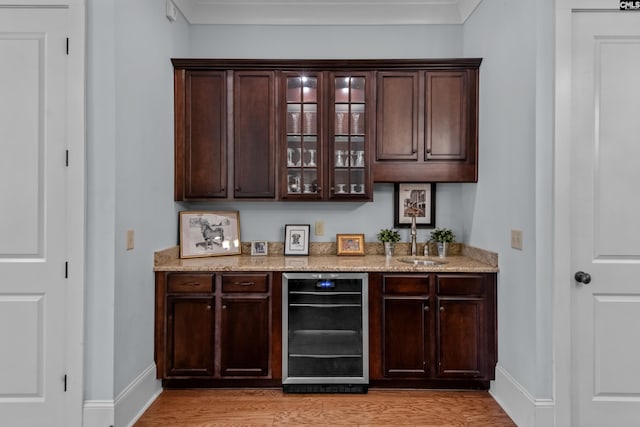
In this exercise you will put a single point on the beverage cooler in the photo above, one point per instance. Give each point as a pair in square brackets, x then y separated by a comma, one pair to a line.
[325, 346]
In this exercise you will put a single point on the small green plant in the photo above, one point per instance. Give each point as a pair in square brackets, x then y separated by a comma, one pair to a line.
[444, 235]
[388, 235]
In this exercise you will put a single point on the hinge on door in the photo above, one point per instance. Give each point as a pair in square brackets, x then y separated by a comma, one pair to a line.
[66, 269]
[67, 45]
[66, 158]
[65, 382]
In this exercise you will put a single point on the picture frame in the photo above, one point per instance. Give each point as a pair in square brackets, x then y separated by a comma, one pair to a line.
[417, 198]
[350, 244]
[209, 233]
[296, 239]
[259, 247]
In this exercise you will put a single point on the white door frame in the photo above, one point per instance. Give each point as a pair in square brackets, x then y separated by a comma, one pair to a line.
[562, 274]
[75, 203]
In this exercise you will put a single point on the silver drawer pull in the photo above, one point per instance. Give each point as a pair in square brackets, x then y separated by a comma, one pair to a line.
[190, 284]
[244, 283]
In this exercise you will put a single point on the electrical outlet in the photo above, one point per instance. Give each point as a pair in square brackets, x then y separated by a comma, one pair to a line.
[319, 228]
[516, 239]
[130, 240]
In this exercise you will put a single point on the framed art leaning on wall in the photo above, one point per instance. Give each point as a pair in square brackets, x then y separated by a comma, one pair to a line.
[296, 239]
[209, 233]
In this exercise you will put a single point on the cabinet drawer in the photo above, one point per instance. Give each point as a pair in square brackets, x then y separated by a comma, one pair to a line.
[190, 283]
[406, 285]
[460, 285]
[245, 282]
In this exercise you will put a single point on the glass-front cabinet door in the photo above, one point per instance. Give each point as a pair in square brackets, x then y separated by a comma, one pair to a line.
[325, 134]
[349, 145]
[304, 150]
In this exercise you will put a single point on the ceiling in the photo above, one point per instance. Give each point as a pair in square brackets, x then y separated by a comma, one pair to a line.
[326, 12]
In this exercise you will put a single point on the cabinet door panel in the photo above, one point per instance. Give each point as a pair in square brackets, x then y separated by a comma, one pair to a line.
[461, 337]
[244, 336]
[201, 136]
[446, 115]
[405, 337]
[254, 134]
[190, 341]
[397, 116]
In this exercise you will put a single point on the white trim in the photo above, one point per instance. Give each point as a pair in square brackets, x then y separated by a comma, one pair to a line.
[517, 402]
[128, 406]
[98, 413]
[131, 403]
[76, 179]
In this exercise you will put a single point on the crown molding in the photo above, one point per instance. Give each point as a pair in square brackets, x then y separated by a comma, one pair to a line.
[326, 12]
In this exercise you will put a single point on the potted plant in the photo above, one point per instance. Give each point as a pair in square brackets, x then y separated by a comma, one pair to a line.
[443, 236]
[389, 238]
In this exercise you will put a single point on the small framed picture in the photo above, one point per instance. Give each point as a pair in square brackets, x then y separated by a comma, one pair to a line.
[209, 233]
[296, 239]
[350, 244]
[259, 247]
[415, 199]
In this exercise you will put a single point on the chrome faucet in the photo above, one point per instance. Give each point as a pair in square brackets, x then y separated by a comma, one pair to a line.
[414, 232]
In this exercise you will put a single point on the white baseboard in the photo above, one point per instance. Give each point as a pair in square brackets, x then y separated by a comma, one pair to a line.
[128, 406]
[519, 404]
[98, 413]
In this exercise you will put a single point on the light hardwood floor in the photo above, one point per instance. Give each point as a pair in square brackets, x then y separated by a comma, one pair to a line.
[273, 408]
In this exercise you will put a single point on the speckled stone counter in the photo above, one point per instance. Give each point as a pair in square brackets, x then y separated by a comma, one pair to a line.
[463, 259]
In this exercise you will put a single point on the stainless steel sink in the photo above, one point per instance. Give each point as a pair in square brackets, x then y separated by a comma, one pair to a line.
[420, 260]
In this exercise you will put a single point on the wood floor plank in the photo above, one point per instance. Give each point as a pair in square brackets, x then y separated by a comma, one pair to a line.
[235, 408]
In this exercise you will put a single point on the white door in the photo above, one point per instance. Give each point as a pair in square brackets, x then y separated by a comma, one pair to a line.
[33, 213]
[605, 203]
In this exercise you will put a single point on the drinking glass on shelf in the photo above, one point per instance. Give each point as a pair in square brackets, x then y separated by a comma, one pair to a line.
[308, 188]
[312, 158]
[290, 152]
[309, 122]
[340, 123]
[299, 162]
[339, 161]
[359, 158]
[341, 188]
[295, 123]
[355, 123]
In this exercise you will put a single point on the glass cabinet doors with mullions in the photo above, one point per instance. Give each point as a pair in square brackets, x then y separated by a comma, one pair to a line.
[349, 175]
[326, 137]
[304, 176]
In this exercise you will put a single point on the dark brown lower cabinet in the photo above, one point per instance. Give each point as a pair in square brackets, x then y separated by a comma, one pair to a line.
[218, 329]
[435, 330]
[190, 351]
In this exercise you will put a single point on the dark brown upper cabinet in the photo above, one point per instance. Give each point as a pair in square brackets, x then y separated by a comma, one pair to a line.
[325, 150]
[321, 129]
[200, 134]
[225, 134]
[427, 124]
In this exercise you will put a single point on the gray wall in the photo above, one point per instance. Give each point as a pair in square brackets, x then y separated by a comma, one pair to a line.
[514, 187]
[129, 182]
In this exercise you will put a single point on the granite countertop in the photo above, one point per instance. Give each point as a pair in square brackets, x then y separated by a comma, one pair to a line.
[463, 259]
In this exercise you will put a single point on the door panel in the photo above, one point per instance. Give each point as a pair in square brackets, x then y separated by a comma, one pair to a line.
[33, 217]
[605, 242]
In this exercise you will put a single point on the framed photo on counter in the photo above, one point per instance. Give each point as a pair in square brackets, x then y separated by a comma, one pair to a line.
[209, 233]
[350, 244]
[259, 247]
[296, 239]
[415, 199]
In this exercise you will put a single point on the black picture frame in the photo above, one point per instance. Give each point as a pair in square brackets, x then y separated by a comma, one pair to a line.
[296, 239]
[418, 198]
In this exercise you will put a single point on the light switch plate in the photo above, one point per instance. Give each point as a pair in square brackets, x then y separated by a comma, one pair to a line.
[130, 240]
[319, 228]
[516, 239]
